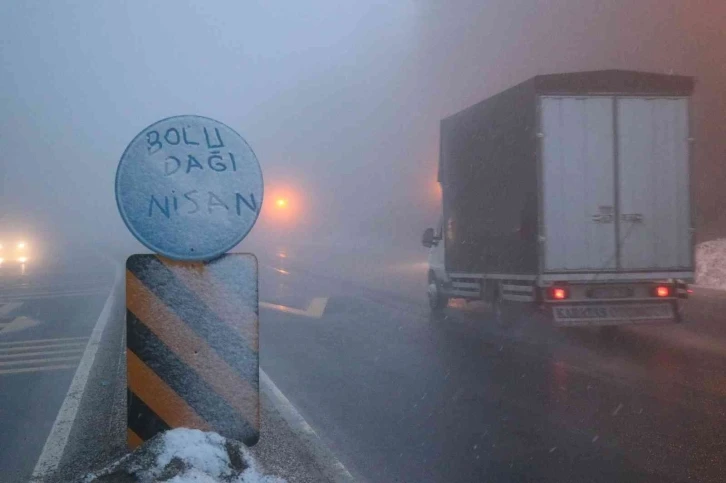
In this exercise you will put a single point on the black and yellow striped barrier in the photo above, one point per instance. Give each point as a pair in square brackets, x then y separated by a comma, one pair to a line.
[192, 346]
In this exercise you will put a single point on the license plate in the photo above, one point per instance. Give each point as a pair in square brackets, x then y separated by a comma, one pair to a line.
[610, 293]
[630, 312]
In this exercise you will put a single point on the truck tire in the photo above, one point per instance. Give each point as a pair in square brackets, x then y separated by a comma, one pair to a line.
[437, 300]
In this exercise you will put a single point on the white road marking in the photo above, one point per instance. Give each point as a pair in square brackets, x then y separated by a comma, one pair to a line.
[19, 323]
[315, 310]
[39, 295]
[37, 369]
[38, 341]
[28, 358]
[78, 350]
[7, 350]
[55, 445]
[9, 307]
[331, 466]
[38, 361]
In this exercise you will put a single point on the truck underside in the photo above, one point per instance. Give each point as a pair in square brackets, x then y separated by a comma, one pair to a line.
[590, 302]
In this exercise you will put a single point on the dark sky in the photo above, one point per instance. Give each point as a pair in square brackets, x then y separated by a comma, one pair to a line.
[340, 100]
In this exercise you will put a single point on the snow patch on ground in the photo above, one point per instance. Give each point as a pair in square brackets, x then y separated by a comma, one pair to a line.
[711, 264]
[186, 456]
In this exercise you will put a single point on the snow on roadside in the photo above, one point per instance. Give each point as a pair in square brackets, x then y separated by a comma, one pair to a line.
[711, 264]
[186, 456]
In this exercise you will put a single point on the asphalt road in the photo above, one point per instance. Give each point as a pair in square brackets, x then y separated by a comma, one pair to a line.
[399, 395]
[45, 323]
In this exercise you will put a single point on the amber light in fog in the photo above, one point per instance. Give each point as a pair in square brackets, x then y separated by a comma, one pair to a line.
[558, 293]
[662, 291]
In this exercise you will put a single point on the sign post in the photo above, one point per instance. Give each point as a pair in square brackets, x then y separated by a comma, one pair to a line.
[190, 188]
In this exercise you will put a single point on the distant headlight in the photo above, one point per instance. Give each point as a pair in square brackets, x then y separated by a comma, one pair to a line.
[22, 259]
[21, 244]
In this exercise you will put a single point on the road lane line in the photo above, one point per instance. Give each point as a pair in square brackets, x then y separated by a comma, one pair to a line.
[30, 362]
[55, 445]
[328, 463]
[33, 296]
[6, 350]
[37, 369]
[38, 341]
[20, 323]
[9, 307]
[78, 350]
[315, 310]
[317, 307]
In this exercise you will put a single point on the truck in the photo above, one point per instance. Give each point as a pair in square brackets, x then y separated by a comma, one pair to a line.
[569, 194]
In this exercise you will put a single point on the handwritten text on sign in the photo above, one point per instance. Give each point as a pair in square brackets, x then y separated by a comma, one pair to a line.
[189, 187]
[216, 160]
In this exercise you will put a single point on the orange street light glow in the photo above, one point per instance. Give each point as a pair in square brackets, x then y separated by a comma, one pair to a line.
[281, 203]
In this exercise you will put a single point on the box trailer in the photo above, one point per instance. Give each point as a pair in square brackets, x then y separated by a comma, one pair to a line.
[570, 192]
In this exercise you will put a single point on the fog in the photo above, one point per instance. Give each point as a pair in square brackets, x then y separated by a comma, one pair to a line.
[341, 101]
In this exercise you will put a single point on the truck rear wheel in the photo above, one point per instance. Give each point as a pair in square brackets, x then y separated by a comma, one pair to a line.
[437, 300]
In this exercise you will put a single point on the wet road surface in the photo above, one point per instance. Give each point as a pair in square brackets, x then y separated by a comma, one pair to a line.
[45, 323]
[401, 395]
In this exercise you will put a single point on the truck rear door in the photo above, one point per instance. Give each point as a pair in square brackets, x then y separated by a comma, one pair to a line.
[653, 183]
[578, 183]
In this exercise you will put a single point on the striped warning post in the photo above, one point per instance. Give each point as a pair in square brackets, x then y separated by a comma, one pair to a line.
[192, 346]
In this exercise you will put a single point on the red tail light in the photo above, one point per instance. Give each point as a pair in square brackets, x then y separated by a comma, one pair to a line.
[662, 291]
[558, 293]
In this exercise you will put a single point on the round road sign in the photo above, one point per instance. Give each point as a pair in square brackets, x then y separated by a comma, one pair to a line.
[189, 187]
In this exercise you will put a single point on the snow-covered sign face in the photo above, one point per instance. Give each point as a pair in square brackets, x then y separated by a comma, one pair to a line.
[189, 187]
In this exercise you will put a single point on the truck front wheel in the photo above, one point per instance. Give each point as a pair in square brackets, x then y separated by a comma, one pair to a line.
[437, 300]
